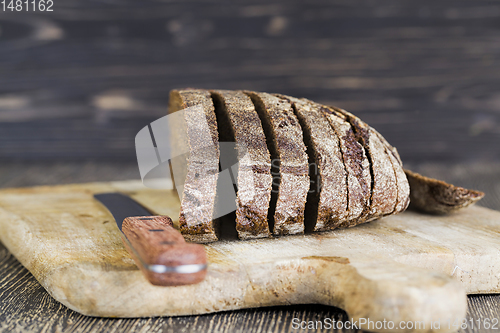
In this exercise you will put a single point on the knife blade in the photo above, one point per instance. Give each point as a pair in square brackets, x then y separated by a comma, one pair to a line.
[157, 248]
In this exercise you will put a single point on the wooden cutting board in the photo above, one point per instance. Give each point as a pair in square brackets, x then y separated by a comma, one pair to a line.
[408, 267]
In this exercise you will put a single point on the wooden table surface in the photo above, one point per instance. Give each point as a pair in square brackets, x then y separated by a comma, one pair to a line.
[77, 84]
[26, 306]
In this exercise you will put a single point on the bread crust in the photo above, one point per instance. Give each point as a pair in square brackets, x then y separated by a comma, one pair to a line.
[437, 197]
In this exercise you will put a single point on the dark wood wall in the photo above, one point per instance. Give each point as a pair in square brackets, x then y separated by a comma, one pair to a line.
[79, 82]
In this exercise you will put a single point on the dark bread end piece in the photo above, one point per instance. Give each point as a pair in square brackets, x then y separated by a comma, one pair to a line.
[437, 197]
[198, 170]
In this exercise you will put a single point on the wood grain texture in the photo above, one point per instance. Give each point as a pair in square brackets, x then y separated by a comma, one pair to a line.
[156, 242]
[386, 260]
[81, 81]
[26, 306]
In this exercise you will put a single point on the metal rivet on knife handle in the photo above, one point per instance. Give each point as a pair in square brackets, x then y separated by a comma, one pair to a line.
[181, 263]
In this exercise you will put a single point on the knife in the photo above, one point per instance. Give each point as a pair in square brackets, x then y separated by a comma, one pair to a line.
[157, 248]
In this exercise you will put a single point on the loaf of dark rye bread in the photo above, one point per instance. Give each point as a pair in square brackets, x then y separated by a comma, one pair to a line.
[352, 174]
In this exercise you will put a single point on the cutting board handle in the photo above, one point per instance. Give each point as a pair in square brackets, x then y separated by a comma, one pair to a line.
[161, 252]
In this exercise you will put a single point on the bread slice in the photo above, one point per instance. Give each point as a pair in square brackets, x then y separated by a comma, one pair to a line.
[254, 180]
[402, 181]
[384, 182]
[196, 173]
[289, 158]
[357, 167]
[326, 206]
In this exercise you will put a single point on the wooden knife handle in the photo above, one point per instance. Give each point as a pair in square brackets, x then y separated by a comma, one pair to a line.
[156, 242]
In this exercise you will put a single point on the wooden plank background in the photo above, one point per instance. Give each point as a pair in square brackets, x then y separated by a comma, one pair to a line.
[79, 82]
